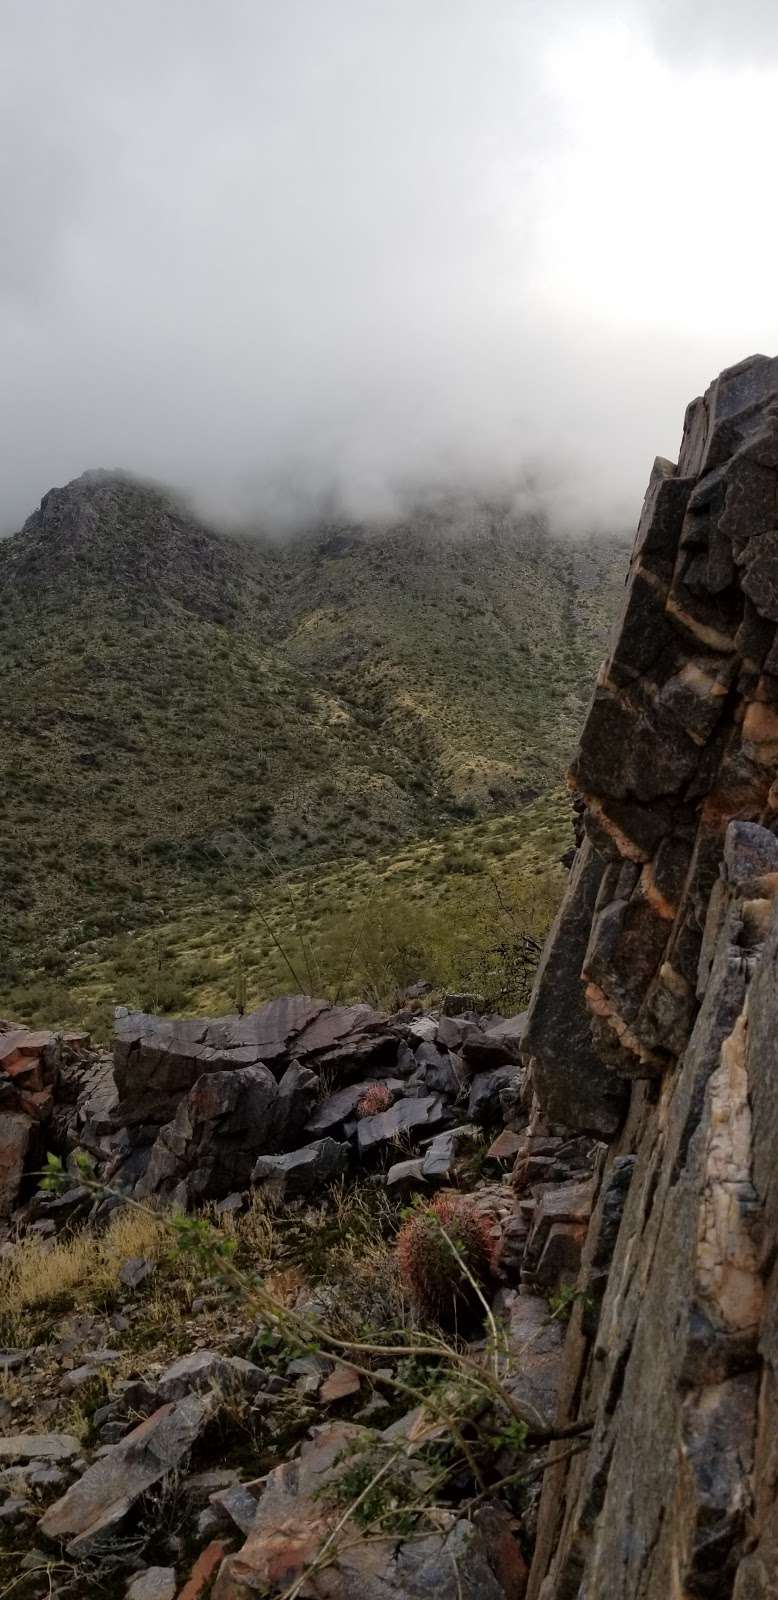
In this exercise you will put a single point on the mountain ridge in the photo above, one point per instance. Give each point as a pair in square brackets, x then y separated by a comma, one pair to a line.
[172, 695]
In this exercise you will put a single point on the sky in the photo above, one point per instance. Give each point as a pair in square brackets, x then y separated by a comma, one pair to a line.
[289, 255]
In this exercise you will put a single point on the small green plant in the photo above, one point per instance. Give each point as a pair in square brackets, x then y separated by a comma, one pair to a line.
[444, 1253]
[561, 1303]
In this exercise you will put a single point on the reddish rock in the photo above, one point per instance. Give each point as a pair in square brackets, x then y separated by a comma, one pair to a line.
[341, 1383]
[203, 1570]
[505, 1147]
[15, 1137]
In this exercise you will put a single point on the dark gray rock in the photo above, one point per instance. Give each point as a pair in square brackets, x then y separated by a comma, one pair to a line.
[440, 1158]
[301, 1172]
[331, 1114]
[221, 1125]
[485, 1105]
[573, 1085]
[406, 1176]
[410, 1117]
[438, 1072]
[156, 1583]
[135, 1270]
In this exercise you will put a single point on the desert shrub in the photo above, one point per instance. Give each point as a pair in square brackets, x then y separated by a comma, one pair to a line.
[444, 1255]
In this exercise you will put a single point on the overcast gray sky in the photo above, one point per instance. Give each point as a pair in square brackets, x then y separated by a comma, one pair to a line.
[273, 250]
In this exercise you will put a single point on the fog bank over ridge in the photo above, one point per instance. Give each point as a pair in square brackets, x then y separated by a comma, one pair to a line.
[344, 256]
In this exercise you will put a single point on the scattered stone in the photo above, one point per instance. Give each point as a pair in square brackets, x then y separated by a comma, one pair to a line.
[15, 1510]
[12, 1360]
[135, 1271]
[455, 1005]
[484, 1105]
[156, 1583]
[465, 1561]
[406, 1175]
[78, 1378]
[440, 1159]
[337, 1109]
[238, 1504]
[201, 1485]
[342, 1382]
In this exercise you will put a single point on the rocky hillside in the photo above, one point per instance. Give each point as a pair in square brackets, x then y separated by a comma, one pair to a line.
[239, 1364]
[178, 709]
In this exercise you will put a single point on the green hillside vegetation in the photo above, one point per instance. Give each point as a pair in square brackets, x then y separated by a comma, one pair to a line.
[181, 712]
[454, 909]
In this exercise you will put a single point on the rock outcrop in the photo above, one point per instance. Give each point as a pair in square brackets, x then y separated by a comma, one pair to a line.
[662, 970]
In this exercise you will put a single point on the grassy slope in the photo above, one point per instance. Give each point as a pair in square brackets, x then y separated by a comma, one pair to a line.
[181, 714]
[437, 908]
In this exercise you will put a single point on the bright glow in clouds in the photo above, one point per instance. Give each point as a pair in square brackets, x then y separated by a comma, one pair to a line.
[341, 252]
[661, 187]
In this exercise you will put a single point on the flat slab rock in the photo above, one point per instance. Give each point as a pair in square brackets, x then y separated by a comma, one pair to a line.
[39, 1447]
[407, 1116]
[86, 1517]
[301, 1172]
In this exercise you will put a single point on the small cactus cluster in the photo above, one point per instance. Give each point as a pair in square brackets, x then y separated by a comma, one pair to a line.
[376, 1098]
[429, 1270]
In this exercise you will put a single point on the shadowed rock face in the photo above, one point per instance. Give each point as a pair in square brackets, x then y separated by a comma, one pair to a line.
[671, 961]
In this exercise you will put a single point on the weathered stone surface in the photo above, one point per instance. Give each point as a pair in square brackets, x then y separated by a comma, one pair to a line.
[404, 1176]
[412, 1117]
[535, 1341]
[486, 1090]
[301, 1172]
[158, 1060]
[39, 1447]
[207, 1563]
[87, 1516]
[574, 1086]
[16, 1131]
[156, 1583]
[438, 1072]
[441, 1155]
[671, 1347]
[221, 1125]
[336, 1109]
[468, 1561]
[505, 1147]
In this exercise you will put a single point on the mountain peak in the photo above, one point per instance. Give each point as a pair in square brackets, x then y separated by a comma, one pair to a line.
[110, 541]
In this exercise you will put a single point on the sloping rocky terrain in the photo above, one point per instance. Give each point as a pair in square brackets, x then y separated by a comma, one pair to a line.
[594, 1405]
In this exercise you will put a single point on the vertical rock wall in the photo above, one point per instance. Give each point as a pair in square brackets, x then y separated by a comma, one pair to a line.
[662, 970]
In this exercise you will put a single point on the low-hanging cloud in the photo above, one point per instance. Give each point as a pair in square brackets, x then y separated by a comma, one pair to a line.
[342, 254]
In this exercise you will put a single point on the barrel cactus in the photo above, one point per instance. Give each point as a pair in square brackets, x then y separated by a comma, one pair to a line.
[438, 1286]
[371, 1101]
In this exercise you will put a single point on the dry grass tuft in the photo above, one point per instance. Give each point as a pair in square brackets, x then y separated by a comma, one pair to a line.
[81, 1269]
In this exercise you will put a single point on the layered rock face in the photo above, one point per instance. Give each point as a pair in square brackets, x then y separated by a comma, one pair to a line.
[662, 970]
